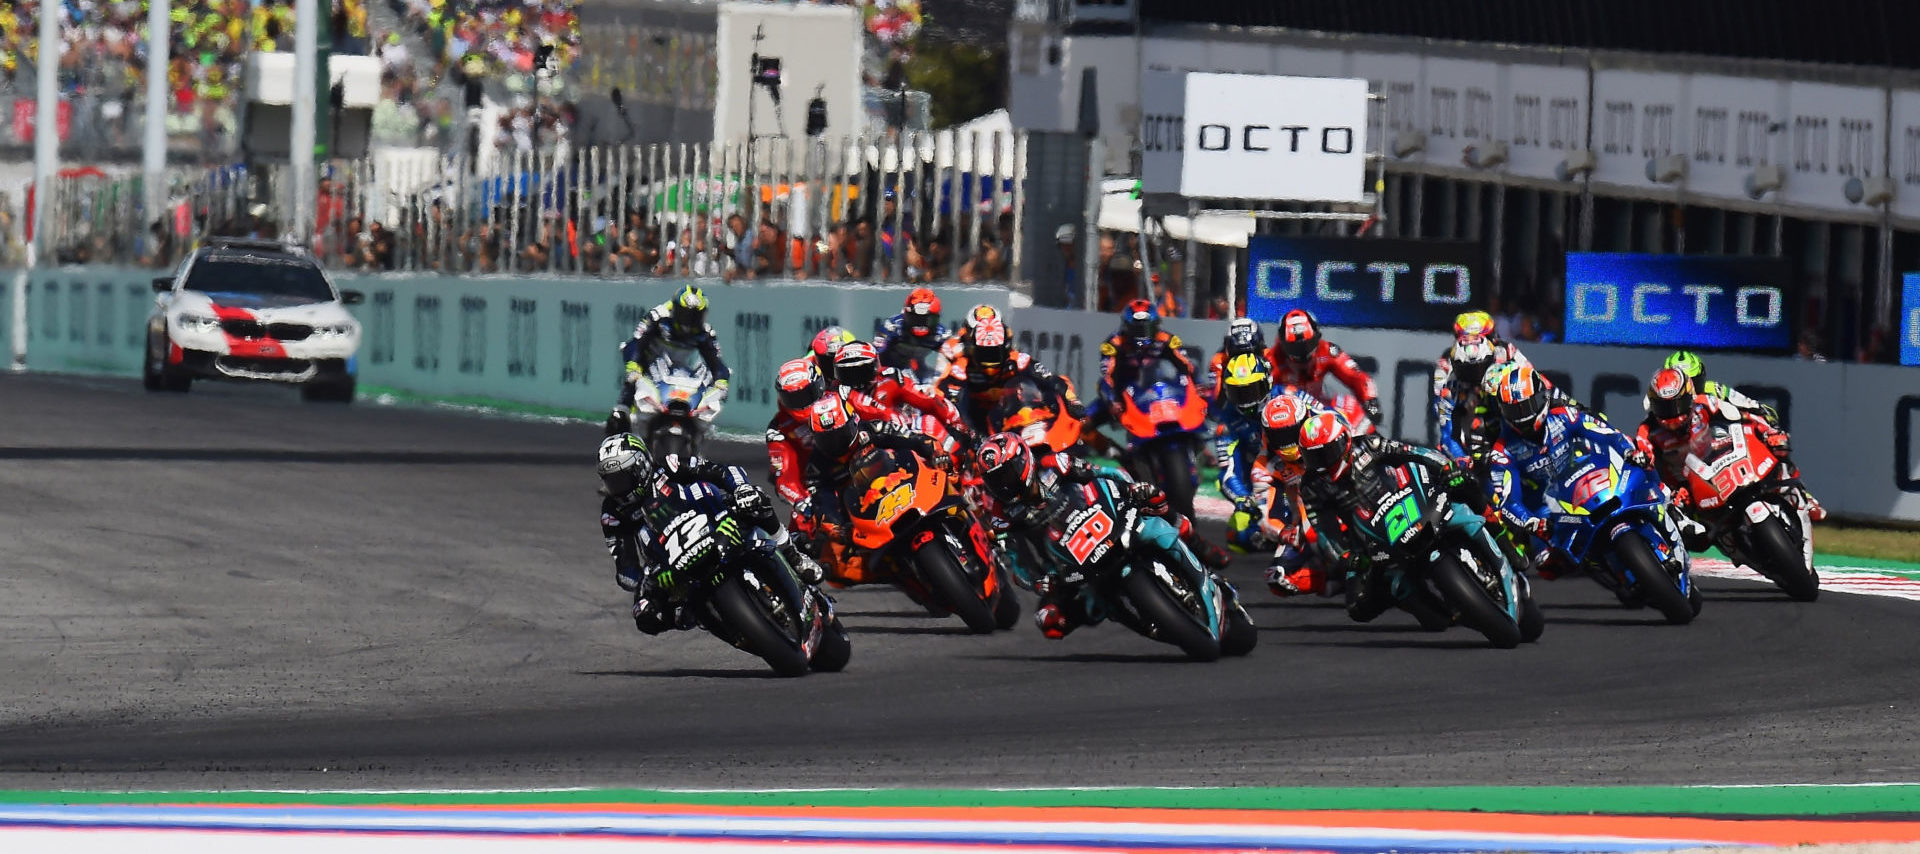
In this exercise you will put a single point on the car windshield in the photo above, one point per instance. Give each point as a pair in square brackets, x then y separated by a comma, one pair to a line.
[260, 277]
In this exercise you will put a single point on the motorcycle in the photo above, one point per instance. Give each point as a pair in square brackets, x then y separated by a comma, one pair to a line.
[730, 580]
[1614, 521]
[1164, 417]
[1135, 569]
[909, 519]
[1038, 416]
[1740, 492]
[676, 401]
[925, 363]
[1419, 535]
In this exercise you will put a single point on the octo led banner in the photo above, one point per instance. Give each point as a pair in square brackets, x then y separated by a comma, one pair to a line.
[1706, 301]
[1910, 319]
[1358, 281]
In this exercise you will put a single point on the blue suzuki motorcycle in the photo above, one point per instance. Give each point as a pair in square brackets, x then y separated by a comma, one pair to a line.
[1612, 519]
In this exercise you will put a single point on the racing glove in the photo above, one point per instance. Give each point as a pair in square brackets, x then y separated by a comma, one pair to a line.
[1640, 460]
[1149, 495]
[1781, 443]
[753, 504]
[720, 389]
[1372, 406]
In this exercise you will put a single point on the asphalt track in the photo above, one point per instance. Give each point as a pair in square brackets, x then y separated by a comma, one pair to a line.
[231, 589]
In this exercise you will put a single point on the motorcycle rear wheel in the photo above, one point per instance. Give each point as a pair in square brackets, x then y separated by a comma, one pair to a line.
[1177, 625]
[1782, 562]
[747, 614]
[942, 571]
[1651, 580]
[1176, 473]
[1240, 636]
[1476, 606]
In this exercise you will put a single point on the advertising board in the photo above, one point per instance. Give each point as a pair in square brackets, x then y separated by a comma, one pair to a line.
[1910, 319]
[1705, 301]
[1255, 136]
[1406, 284]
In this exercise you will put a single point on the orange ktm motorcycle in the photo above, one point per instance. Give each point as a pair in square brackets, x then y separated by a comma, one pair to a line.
[1038, 416]
[911, 527]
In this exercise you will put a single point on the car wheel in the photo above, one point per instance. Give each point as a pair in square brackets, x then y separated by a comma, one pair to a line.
[329, 391]
[154, 374]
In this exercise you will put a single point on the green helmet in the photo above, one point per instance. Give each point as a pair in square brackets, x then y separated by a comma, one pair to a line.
[1687, 363]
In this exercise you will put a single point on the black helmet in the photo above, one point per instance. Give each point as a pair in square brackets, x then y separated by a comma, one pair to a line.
[1007, 468]
[690, 311]
[1243, 336]
[624, 464]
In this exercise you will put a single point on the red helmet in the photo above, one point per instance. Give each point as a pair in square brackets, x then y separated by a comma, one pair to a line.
[1007, 468]
[1325, 445]
[834, 426]
[1523, 398]
[826, 345]
[800, 385]
[1669, 397]
[856, 365]
[1299, 335]
[1281, 419]
[921, 315]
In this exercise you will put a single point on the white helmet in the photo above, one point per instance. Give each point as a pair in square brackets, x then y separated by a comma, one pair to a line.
[624, 464]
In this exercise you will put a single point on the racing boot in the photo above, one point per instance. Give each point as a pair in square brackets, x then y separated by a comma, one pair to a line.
[1210, 555]
[652, 612]
[628, 577]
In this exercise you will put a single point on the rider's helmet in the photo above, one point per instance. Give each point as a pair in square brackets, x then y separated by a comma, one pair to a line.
[1470, 357]
[1522, 395]
[1689, 364]
[1470, 325]
[800, 385]
[856, 365]
[1299, 336]
[1670, 398]
[1140, 320]
[624, 464]
[826, 345]
[1325, 445]
[1247, 383]
[980, 314]
[990, 347]
[921, 315]
[834, 426]
[690, 312]
[1008, 469]
[1280, 420]
[1243, 336]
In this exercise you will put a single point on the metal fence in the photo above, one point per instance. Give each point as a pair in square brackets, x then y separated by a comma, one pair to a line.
[907, 207]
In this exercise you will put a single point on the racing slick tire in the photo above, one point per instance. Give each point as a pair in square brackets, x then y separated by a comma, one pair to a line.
[1176, 471]
[1782, 562]
[942, 572]
[1239, 636]
[1464, 593]
[1651, 580]
[834, 651]
[1006, 604]
[1175, 623]
[748, 615]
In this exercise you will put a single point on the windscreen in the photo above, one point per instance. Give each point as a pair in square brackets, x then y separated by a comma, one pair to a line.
[279, 280]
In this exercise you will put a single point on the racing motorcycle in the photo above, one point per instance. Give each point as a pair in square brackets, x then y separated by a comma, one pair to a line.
[1614, 522]
[926, 364]
[676, 402]
[909, 520]
[1164, 417]
[1740, 492]
[729, 579]
[1038, 416]
[1418, 535]
[1135, 570]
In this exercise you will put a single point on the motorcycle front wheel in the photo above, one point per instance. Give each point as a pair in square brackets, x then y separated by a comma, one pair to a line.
[942, 572]
[1780, 560]
[1176, 473]
[1177, 623]
[1651, 580]
[1465, 594]
[751, 617]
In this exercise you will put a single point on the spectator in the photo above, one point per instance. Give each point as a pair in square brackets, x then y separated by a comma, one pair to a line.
[378, 252]
[987, 263]
[1808, 347]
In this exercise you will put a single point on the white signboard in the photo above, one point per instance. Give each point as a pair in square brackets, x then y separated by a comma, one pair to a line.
[1255, 136]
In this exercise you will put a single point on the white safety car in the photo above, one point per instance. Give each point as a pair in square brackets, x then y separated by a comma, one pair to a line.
[252, 310]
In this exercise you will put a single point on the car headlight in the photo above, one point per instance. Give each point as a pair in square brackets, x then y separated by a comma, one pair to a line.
[190, 322]
[340, 330]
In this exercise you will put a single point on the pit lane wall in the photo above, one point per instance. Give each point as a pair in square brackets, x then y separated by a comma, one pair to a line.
[1853, 426]
[541, 343]
[553, 344]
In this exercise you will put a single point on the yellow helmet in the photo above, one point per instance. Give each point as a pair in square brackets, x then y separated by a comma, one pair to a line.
[1473, 324]
[1247, 382]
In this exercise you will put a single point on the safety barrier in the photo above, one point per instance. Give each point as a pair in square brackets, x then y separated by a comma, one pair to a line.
[547, 343]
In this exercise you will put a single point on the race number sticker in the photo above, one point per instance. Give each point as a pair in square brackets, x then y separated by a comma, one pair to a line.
[1087, 536]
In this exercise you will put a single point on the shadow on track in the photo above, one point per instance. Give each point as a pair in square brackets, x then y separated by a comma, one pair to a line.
[684, 673]
[1091, 658]
[948, 628]
[266, 455]
[1428, 642]
[1349, 628]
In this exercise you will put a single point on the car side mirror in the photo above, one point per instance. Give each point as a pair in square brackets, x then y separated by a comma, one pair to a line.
[162, 284]
[352, 297]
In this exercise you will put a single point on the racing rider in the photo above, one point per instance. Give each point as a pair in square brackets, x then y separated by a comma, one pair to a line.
[1303, 359]
[630, 477]
[789, 439]
[826, 345]
[1695, 370]
[986, 363]
[1675, 409]
[1243, 337]
[1132, 350]
[878, 394]
[680, 323]
[1456, 384]
[839, 435]
[1340, 474]
[908, 338]
[1017, 485]
[1238, 445]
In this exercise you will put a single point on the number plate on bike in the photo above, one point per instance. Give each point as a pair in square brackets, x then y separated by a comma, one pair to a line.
[1087, 535]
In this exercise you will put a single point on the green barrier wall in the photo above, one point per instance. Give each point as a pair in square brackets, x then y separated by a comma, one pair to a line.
[512, 342]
